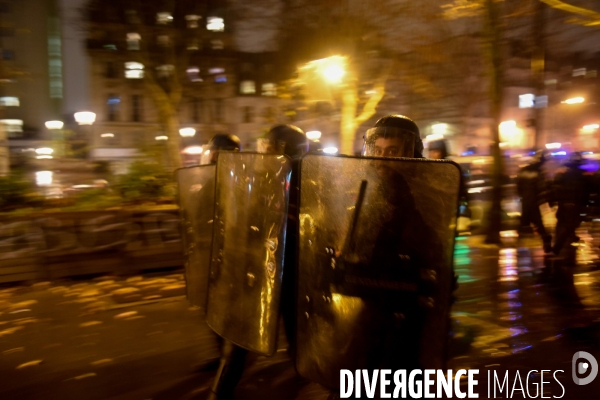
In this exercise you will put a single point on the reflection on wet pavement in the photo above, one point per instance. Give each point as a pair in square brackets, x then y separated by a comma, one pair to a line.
[514, 310]
[512, 299]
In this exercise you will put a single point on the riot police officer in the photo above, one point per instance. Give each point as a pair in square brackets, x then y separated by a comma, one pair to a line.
[293, 142]
[223, 141]
[570, 190]
[393, 136]
[226, 142]
[532, 187]
[403, 233]
[438, 150]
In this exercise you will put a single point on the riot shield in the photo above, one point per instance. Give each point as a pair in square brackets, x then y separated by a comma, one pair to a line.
[196, 193]
[251, 201]
[375, 275]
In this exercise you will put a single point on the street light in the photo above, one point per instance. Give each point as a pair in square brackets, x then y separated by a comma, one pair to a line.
[313, 135]
[439, 129]
[590, 128]
[574, 100]
[44, 153]
[85, 117]
[553, 146]
[54, 125]
[57, 135]
[332, 68]
[187, 132]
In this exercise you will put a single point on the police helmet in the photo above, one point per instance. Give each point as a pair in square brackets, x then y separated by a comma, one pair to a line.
[402, 134]
[290, 138]
[223, 141]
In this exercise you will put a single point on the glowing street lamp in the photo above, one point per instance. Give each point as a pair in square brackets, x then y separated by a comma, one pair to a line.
[43, 178]
[53, 125]
[57, 135]
[574, 100]
[187, 132]
[590, 128]
[85, 117]
[193, 150]
[313, 135]
[44, 153]
[439, 129]
[332, 68]
[334, 73]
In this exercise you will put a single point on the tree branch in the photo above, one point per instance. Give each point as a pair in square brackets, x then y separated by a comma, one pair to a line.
[371, 105]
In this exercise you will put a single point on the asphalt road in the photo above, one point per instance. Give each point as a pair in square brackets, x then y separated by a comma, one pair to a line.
[111, 338]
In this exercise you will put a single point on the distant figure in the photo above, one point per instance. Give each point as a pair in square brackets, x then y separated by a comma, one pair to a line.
[438, 150]
[532, 187]
[570, 189]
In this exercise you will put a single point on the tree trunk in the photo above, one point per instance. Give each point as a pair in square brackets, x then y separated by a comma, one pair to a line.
[348, 119]
[493, 37]
[537, 69]
[173, 144]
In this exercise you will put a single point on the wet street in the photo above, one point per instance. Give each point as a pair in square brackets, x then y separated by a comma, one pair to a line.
[137, 338]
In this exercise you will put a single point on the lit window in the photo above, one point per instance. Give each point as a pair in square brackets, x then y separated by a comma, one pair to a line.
[12, 125]
[551, 82]
[134, 74]
[9, 101]
[215, 24]
[110, 46]
[526, 100]
[247, 87]
[220, 78]
[134, 70]
[163, 18]
[579, 72]
[216, 70]
[541, 101]
[193, 74]
[133, 41]
[269, 89]
[192, 21]
[591, 74]
[163, 40]
[217, 44]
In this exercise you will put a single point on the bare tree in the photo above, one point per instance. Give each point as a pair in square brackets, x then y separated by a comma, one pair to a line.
[169, 39]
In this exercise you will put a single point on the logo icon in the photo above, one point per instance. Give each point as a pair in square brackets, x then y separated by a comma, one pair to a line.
[582, 367]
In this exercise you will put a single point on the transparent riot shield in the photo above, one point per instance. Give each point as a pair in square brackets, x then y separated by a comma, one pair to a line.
[375, 274]
[196, 193]
[251, 201]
